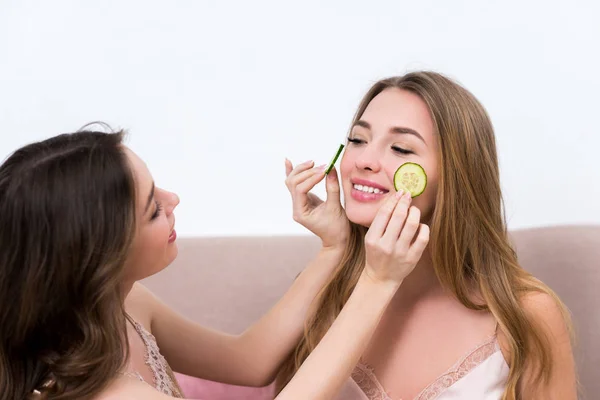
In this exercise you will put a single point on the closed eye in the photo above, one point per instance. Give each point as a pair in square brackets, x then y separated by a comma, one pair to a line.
[157, 211]
[401, 150]
[355, 141]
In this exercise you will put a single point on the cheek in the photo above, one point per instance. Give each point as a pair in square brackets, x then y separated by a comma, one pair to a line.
[346, 163]
[148, 251]
[426, 201]
[153, 239]
[346, 167]
[160, 233]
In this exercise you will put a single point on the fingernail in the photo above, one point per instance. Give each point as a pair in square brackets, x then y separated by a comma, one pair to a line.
[322, 166]
[407, 197]
[399, 194]
[308, 162]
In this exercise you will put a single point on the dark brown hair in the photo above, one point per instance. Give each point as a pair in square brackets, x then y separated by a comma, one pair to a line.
[67, 217]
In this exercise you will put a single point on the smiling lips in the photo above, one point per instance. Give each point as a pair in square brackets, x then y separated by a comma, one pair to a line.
[363, 190]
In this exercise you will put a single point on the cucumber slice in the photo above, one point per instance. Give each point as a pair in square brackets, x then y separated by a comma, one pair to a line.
[334, 159]
[410, 177]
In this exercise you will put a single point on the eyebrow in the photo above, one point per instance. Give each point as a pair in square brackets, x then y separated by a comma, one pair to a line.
[150, 196]
[395, 129]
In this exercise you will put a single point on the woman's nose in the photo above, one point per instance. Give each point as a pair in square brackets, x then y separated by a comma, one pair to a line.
[369, 159]
[172, 201]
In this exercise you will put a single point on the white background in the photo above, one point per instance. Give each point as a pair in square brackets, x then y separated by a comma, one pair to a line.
[216, 93]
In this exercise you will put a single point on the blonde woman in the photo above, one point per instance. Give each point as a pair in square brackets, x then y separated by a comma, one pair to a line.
[468, 322]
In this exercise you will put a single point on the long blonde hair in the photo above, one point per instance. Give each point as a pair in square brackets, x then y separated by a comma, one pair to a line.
[469, 240]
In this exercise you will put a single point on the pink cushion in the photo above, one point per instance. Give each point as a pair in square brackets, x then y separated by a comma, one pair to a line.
[196, 388]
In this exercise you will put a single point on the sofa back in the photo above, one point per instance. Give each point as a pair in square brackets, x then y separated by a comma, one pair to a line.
[228, 282]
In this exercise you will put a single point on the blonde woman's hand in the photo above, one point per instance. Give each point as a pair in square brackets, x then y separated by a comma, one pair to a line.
[395, 240]
[326, 219]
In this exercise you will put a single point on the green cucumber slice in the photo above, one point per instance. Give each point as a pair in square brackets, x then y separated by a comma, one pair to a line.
[334, 159]
[410, 177]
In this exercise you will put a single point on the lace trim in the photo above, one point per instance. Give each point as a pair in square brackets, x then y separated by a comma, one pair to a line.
[365, 378]
[133, 374]
[460, 369]
[164, 381]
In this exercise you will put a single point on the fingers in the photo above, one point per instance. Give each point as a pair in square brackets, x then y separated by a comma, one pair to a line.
[411, 226]
[397, 220]
[288, 167]
[304, 177]
[300, 180]
[290, 172]
[308, 179]
[418, 247]
[332, 186]
[382, 218]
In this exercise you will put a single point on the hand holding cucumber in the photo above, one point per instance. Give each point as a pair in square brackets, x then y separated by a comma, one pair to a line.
[326, 219]
[395, 240]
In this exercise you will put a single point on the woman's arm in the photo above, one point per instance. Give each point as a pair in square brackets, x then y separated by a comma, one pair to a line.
[330, 364]
[394, 244]
[562, 385]
[253, 358]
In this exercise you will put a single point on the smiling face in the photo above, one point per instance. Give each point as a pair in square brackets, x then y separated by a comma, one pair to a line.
[395, 128]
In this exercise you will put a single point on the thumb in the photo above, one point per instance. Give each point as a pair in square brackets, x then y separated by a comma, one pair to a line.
[332, 186]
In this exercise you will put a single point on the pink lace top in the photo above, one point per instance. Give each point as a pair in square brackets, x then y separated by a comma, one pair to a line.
[164, 380]
[490, 384]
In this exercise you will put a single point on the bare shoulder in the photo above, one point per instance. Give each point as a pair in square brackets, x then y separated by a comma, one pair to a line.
[130, 389]
[548, 314]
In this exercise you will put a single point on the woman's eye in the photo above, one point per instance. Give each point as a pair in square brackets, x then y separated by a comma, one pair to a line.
[157, 211]
[401, 150]
[355, 141]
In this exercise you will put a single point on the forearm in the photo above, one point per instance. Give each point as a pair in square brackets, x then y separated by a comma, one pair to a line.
[268, 341]
[331, 362]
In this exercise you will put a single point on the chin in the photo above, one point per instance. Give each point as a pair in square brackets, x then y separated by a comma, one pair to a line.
[360, 218]
[170, 255]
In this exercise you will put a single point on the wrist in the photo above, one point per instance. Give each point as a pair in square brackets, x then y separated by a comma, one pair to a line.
[333, 250]
[336, 239]
[386, 286]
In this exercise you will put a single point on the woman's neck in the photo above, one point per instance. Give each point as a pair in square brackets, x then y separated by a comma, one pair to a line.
[127, 286]
[421, 282]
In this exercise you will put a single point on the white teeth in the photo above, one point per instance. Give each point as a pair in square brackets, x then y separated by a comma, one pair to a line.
[368, 189]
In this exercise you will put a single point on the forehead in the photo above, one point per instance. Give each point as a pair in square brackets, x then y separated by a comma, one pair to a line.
[401, 108]
[142, 177]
